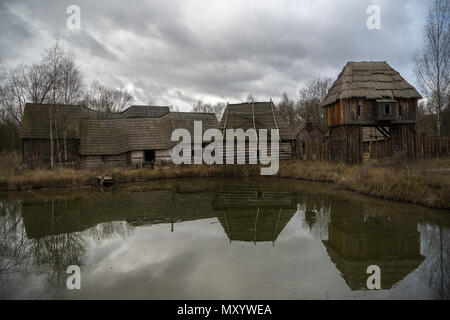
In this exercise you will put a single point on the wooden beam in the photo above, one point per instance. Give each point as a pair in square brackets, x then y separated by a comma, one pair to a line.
[273, 114]
[253, 111]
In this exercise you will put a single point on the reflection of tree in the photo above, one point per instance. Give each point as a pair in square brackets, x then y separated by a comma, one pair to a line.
[316, 215]
[20, 255]
[14, 246]
[57, 253]
[110, 230]
[435, 270]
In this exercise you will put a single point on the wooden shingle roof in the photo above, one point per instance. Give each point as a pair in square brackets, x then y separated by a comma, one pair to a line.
[36, 118]
[256, 115]
[103, 137]
[101, 133]
[370, 80]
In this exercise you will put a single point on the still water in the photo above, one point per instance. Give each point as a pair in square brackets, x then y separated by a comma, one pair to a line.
[220, 239]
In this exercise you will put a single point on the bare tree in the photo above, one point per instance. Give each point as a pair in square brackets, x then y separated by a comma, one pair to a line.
[432, 64]
[309, 105]
[251, 98]
[101, 98]
[217, 108]
[287, 108]
[62, 85]
[54, 80]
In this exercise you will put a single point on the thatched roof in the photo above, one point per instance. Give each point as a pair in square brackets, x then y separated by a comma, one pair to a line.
[257, 115]
[102, 137]
[36, 117]
[370, 80]
[36, 120]
[101, 133]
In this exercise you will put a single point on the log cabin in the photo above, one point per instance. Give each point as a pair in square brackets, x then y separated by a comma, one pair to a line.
[137, 136]
[370, 94]
[259, 115]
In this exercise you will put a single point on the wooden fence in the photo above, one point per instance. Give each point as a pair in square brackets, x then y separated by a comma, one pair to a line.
[433, 147]
[428, 146]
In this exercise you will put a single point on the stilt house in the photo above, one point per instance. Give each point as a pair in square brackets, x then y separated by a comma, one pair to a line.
[370, 94]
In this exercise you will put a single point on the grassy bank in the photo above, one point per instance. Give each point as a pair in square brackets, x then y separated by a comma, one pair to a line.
[425, 182]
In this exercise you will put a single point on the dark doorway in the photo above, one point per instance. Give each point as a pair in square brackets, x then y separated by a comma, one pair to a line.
[149, 155]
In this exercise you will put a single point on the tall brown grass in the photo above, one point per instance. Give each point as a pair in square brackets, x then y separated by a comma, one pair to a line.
[410, 182]
[9, 161]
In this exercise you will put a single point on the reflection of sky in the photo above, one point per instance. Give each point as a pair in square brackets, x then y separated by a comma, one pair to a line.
[197, 261]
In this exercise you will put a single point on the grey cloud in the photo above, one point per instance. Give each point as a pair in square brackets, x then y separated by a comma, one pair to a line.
[178, 51]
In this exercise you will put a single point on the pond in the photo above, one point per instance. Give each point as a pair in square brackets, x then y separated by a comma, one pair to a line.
[255, 238]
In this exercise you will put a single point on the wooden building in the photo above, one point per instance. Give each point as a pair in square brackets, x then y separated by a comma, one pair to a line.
[370, 94]
[308, 141]
[136, 136]
[260, 115]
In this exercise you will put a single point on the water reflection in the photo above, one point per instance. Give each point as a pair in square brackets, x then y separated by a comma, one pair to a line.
[359, 237]
[46, 235]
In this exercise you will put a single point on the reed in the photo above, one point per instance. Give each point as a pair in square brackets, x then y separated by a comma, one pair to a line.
[426, 182]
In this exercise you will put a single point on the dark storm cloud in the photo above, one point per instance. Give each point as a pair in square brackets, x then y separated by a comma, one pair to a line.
[175, 52]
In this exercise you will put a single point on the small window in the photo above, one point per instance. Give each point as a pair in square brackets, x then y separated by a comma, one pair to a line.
[387, 109]
[358, 111]
[399, 109]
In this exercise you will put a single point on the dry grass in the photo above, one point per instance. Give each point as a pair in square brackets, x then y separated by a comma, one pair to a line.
[410, 182]
[8, 163]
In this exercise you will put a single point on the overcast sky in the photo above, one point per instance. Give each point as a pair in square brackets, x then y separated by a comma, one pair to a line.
[173, 52]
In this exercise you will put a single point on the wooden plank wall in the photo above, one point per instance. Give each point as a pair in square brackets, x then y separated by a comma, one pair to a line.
[346, 111]
[354, 147]
[335, 114]
[36, 152]
[432, 146]
[314, 149]
[337, 143]
[380, 149]
[404, 140]
[428, 146]
[285, 152]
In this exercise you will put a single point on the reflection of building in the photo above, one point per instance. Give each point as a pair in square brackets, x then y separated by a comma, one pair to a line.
[238, 206]
[358, 238]
[249, 213]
